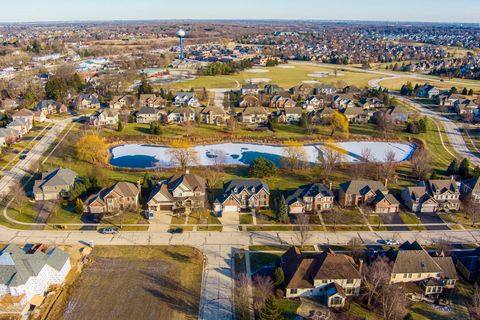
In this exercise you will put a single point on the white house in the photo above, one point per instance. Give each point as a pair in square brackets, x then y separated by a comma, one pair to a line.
[31, 272]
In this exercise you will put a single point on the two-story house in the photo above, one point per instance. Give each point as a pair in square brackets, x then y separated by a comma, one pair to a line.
[367, 192]
[432, 196]
[250, 88]
[54, 184]
[428, 91]
[185, 99]
[240, 195]
[471, 187]
[86, 101]
[281, 102]
[254, 115]
[413, 264]
[119, 197]
[105, 117]
[147, 115]
[214, 115]
[329, 276]
[186, 191]
[181, 115]
[309, 198]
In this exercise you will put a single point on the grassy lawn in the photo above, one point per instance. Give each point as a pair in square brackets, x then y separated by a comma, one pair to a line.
[246, 219]
[344, 216]
[267, 216]
[396, 84]
[262, 259]
[285, 78]
[143, 277]
[202, 217]
[410, 218]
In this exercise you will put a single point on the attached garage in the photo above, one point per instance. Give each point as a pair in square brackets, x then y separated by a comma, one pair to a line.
[166, 207]
[231, 209]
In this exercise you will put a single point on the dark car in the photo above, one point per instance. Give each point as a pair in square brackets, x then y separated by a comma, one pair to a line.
[175, 230]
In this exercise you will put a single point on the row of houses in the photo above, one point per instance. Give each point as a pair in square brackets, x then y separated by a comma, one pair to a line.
[456, 103]
[334, 277]
[21, 124]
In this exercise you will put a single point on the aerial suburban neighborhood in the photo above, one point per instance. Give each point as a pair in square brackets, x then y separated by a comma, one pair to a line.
[249, 161]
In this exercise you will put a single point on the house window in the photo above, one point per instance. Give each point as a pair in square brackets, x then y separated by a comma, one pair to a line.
[336, 301]
[293, 291]
[349, 281]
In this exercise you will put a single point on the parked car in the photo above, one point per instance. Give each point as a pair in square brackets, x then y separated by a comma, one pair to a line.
[108, 231]
[175, 230]
[391, 242]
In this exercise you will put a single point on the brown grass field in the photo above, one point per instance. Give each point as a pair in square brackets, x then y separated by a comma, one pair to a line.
[137, 283]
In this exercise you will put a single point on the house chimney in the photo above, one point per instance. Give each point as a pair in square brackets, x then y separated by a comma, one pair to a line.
[386, 182]
[187, 171]
[360, 266]
[330, 186]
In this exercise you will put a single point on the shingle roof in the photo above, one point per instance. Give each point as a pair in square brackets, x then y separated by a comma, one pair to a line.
[362, 186]
[309, 190]
[16, 266]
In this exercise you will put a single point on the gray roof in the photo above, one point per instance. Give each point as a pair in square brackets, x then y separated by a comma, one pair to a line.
[147, 110]
[17, 266]
[362, 186]
[309, 190]
[249, 184]
[56, 177]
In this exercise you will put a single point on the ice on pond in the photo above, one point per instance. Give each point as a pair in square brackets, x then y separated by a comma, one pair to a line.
[155, 156]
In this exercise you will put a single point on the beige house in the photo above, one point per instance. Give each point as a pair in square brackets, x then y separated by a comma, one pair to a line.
[214, 115]
[432, 196]
[310, 198]
[329, 276]
[245, 194]
[254, 115]
[412, 264]
[371, 193]
[186, 191]
[54, 184]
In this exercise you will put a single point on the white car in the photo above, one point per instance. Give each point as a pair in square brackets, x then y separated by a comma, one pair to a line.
[391, 242]
[108, 231]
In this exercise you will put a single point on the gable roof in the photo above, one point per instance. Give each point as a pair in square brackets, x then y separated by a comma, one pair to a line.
[362, 186]
[247, 184]
[16, 266]
[301, 272]
[57, 177]
[309, 190]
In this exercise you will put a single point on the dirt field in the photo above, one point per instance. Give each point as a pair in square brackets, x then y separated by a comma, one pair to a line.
[136, 283]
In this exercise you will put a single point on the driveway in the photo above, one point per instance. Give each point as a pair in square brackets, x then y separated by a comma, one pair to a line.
[428, 218]
[393, 218]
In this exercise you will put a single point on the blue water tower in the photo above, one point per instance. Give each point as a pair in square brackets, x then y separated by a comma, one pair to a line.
[181, 34]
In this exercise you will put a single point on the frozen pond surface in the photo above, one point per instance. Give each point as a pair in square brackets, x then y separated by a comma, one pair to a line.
[155, 156]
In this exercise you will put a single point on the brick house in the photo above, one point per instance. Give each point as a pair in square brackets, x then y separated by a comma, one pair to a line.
[243, 195]
[121, 196]
[310, 198]
[356, 193]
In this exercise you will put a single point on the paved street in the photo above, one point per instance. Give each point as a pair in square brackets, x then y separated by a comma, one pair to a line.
[23, 166]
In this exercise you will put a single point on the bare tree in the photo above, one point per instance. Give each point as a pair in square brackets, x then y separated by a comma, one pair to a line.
[375, 277]
[20, 197]
[231, 124]
[183, 155]
[242, 287]
[365, 162]
[421, 163]
[294, 155]
[262, 290]
[214, 173]
[476, 298]
[328, 159]
[389, 165]
[304, 229]
[471, 208]
[393, 302]
[355, 245]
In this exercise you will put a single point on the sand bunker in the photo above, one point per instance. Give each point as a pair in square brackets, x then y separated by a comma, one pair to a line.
[310, 81]
[324, 74]
[286, 66]
[259, 80]
[257, 70]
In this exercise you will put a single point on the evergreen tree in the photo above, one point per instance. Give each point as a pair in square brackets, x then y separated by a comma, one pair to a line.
[470, 92]
[464, 169]
[278, 277]
[453, 90]
[465, 91]
[283, 210]
[304, 120]
[79, 206]
[452, 168]
[270, 310]
[261, 167]
[120, 126]
[145, 87]
[476, 171]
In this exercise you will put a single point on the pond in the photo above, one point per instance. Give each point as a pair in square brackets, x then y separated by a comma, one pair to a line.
[143, 156]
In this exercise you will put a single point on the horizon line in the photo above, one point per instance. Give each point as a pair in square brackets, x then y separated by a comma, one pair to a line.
[238, 20]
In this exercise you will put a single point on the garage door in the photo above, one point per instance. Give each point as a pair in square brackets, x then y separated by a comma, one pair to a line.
[166, 207]
[231, 209]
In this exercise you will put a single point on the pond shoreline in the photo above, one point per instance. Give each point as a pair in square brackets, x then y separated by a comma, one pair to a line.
[147, 156]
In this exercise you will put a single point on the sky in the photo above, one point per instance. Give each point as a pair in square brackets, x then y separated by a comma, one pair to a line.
[379, 10]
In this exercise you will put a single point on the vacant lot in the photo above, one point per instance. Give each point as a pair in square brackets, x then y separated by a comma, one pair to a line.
[137, 283]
